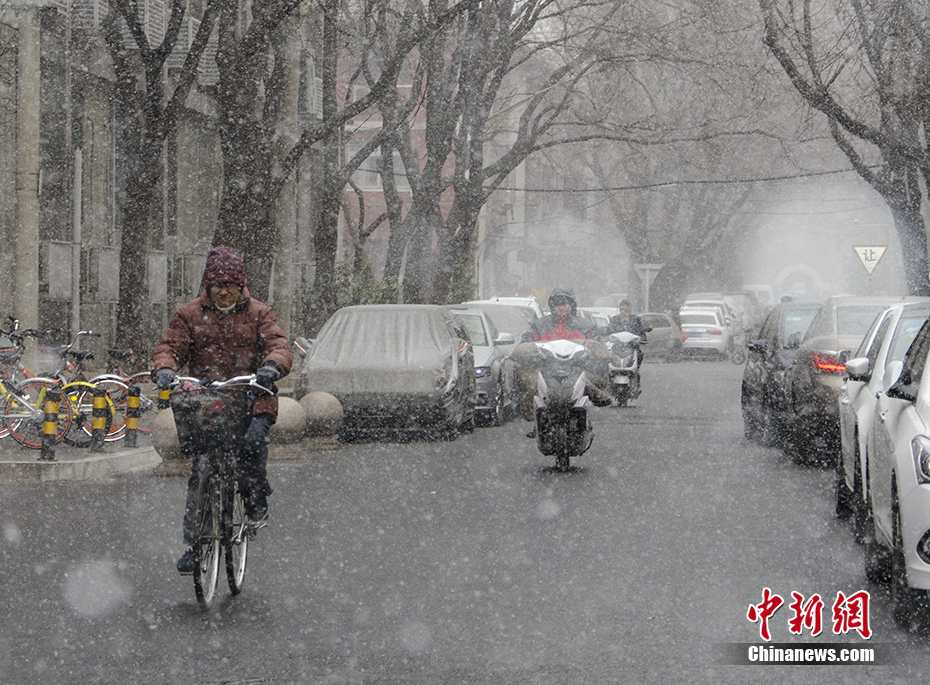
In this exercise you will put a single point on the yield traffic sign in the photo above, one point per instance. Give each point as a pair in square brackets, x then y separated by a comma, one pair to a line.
[870, 255]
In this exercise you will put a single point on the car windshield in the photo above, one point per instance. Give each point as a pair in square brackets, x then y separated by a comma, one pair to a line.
[655, 321]
[508, 319]
[698, 320]
[475, 328]
[903, 337]
[855, 320]
[796, 324]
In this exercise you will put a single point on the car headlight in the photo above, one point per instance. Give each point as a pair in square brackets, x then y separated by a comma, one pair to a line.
[920, 448]
[481, 371]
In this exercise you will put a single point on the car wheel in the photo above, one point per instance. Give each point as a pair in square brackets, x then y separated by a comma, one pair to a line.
[860, 511]
[751, 428]
[772, 433]
[843, 508]
[908, 605]
[497, 411]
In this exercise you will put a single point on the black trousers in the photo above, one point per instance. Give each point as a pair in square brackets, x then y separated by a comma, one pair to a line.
[252, 471]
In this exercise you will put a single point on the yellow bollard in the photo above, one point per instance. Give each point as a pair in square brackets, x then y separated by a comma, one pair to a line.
[98, 423]
[133, 412]
[50, 425]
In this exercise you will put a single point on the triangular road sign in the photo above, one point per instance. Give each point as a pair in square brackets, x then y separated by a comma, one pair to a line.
[870, 255]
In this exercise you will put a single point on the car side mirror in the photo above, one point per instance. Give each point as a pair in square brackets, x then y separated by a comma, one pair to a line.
[897, 385]
[793, 342]
[647, 329]
[858, 369]
[505, 339]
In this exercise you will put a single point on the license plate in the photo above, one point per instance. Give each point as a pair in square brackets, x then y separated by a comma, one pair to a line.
[621, 380]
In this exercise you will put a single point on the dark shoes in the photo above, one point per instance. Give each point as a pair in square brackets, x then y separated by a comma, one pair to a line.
[257, 508]
[186, 563]
[532, 433]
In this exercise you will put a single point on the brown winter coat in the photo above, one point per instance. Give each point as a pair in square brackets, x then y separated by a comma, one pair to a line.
[220, 345]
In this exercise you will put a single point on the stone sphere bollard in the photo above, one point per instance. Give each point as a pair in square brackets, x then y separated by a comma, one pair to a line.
[324, 414]
[291, 423]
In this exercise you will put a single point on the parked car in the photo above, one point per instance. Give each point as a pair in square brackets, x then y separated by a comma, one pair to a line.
[530, 302]
[888, 340]
[611, 301]
[514, 319]
[815, 376]
[769, 353]
[394, 366]
[665, 338]
[898, 504]
[711, 300]
[495, 377]
[704, 330]
[599, 316]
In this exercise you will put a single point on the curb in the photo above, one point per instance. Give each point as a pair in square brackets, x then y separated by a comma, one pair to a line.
[96, 467]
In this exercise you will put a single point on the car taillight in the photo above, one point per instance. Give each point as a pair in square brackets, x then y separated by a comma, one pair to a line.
[826, 363]
[713, 331]
[684, 336]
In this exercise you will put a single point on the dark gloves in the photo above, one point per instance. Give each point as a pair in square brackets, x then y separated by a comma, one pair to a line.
[164, 378]
[267, 375]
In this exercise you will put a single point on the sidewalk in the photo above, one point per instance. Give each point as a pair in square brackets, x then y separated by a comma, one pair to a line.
[19, 464]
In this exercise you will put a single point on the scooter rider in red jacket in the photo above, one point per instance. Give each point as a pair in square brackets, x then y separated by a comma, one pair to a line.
[562, 323]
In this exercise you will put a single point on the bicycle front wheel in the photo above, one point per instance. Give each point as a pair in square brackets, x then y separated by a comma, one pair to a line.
[237, 541]
[24, 413]
[207, 546]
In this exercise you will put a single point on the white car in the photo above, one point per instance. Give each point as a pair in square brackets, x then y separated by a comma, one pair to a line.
[887, 340]
[530, 302]
[704, 330]
[898, 509]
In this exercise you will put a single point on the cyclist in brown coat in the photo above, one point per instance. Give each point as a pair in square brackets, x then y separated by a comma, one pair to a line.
[225, 333]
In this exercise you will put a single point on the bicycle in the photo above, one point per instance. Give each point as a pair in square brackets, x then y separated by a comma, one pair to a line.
[24, 412]
[22, 418]
[212, 418]
[116, 376]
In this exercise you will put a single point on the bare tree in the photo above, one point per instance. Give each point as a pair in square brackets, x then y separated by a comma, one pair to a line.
[863, 64]
[249, 99]
[145, 118]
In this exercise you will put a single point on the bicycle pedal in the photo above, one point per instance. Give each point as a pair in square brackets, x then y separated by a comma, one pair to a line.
[255, 526]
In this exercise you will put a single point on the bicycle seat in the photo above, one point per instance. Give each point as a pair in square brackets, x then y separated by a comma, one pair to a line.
[56, 351]
[82, 355]
[122, 355]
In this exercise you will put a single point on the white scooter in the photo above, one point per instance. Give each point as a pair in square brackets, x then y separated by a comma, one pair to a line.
[623, 380]
[563, 427]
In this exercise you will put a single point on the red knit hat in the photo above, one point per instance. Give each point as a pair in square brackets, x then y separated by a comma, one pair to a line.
[224, 265]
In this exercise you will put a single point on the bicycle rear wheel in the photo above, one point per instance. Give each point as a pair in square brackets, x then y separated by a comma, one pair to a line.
[207, 547]
[24, 413]
[237, 541]
[81, 398]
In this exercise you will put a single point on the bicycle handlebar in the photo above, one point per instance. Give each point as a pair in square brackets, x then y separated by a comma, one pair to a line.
[249, 380]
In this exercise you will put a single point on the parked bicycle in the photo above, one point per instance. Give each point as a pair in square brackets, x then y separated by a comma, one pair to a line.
[22, 418]
[212, 418]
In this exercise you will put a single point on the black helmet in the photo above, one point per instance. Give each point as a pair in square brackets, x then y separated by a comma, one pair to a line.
[562, 296]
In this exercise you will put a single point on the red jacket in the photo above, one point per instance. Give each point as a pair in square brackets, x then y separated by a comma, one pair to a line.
[220, 345]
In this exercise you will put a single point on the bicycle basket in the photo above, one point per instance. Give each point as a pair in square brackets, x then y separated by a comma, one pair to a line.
[210, 417]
